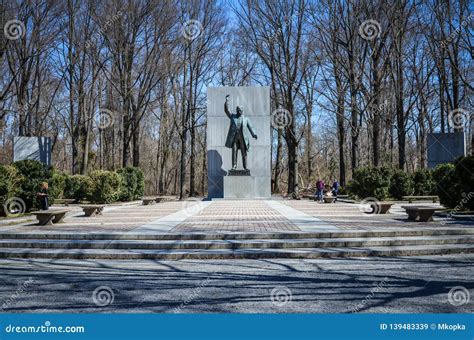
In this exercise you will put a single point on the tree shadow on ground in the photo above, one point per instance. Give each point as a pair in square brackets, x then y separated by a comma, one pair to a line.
[335, 285]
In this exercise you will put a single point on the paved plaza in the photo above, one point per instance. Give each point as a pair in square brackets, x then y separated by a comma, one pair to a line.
[392, 284]
[231, 216]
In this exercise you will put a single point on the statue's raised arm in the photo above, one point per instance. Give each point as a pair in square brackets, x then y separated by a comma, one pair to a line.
[226, 106]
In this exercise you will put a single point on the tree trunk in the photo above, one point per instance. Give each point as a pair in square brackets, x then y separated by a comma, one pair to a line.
[276, 171]
[136, 141]
[292, 163]
[376, 116]
[309, 145]
[125, 140]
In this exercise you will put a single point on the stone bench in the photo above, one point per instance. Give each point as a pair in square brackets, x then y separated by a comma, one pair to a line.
[329, 199]
[384, 207]
[48, 217]
[378, 207]
[150, 200]
[420, 213]
[93, 209]
[410, 199]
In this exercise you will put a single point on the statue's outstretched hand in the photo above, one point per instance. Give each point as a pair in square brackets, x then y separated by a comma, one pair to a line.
[255, 136]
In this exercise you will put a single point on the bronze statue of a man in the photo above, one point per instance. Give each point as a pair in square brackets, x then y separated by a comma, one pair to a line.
[237, 137]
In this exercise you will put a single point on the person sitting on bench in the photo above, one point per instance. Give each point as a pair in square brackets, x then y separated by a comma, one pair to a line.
[43, 196]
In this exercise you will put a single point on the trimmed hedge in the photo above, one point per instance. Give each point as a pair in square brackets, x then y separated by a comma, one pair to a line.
[132, 183]
[423, 183]
[401, 184]
[105, 186]
[452, 182]
[10, 180]
[77, 187]
[370, 182]
[446, 184]
[23, 180]
[33, 173]
[464, 175]
[57, 185]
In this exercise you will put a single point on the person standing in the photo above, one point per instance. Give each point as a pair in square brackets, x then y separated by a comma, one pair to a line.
[335, 188]
[319, 190]
[43, 196]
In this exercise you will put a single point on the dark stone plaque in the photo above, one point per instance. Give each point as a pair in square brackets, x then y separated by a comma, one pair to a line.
[235, 172]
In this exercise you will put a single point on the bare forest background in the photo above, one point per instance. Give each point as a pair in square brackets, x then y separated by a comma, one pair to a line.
[117, 82]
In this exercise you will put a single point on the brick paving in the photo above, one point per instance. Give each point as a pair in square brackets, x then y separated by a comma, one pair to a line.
[114, 219]
[228, 216]
[237, 216]
[349, 216]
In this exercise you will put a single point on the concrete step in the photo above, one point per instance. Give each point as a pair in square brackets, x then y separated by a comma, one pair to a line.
[307, 253]
[238, 244]
[388, 232]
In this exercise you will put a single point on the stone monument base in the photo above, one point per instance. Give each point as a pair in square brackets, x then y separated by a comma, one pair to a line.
[246, 187]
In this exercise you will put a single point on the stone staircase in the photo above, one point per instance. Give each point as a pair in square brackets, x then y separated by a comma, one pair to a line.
[121, 246]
